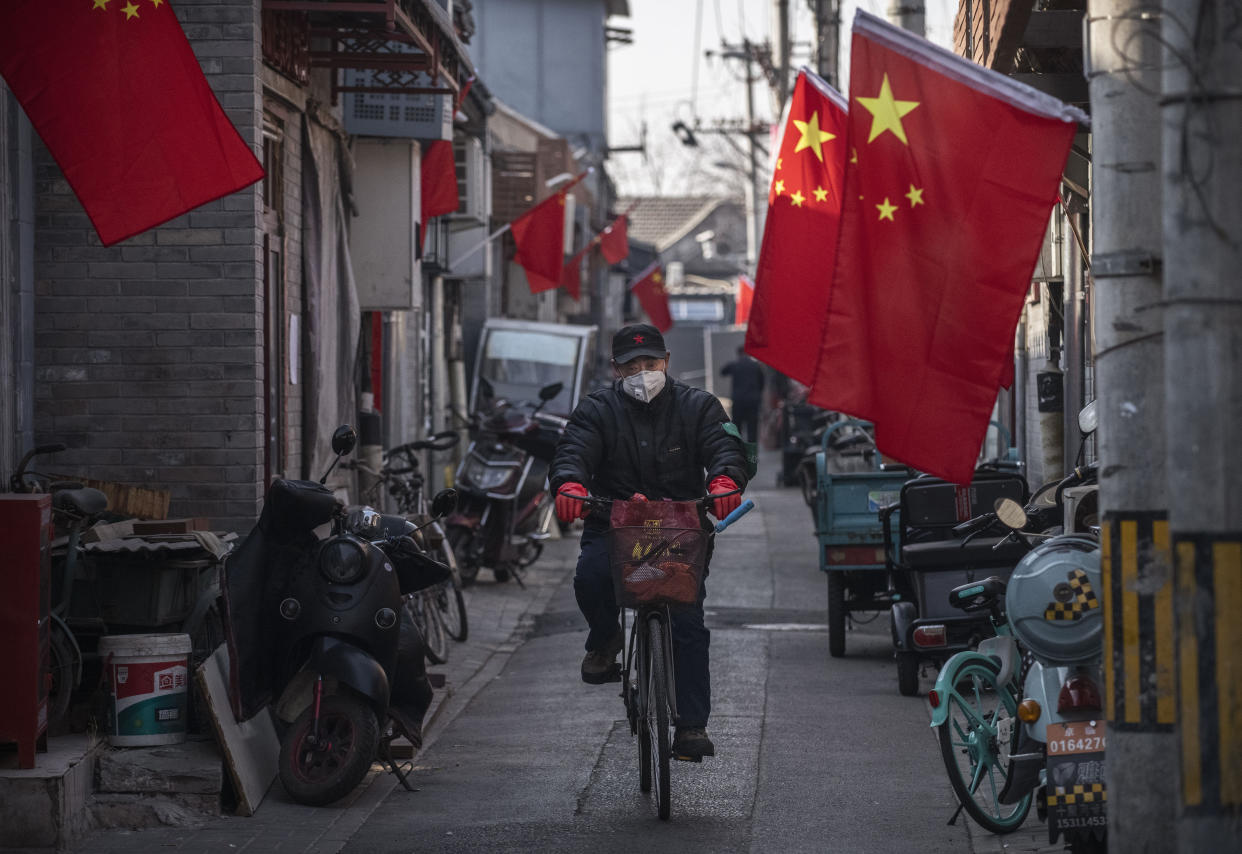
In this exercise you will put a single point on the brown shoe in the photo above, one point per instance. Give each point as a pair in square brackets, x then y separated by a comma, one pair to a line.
[692, 743]
[600, 667]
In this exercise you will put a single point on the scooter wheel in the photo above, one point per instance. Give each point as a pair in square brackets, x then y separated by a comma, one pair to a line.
[324, 770]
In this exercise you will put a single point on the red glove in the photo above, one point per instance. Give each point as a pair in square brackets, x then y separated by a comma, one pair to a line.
[638, 496]
[722, 507]
[569, 509]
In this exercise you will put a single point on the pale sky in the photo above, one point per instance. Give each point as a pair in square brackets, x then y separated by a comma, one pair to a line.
[654, 80]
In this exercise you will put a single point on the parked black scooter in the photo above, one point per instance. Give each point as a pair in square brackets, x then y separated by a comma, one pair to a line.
[319, 628]
[506, 510]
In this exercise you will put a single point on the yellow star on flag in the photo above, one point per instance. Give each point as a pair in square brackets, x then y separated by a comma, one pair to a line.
[797, 198]
[812, 137]
[854, 156]
[156, 3]
[101, 4]
[779, 187]
[915, 195]
[657, 277]
[821, 195]
[130, 10]
[886, 112]
[778, 162]
[886, 210]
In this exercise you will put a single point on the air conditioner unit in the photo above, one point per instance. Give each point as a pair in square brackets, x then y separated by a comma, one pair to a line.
[397, 115]
[474, 181]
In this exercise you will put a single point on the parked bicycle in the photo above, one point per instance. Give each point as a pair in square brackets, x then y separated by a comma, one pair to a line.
[439, 611]
[657, 550]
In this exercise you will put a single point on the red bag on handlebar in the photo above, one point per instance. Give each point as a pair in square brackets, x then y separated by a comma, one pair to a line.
[657, 552]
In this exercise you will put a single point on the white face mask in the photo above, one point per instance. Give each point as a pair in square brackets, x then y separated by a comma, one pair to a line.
[644, 385]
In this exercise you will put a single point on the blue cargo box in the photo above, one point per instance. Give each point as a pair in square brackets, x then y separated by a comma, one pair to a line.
[846, 518]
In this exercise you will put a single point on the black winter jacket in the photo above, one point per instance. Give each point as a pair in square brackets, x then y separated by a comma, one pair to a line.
[616, 446]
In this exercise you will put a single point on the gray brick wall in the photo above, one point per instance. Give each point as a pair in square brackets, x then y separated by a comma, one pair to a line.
[149, 354]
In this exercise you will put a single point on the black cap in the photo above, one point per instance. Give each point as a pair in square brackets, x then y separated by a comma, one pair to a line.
[637, 339]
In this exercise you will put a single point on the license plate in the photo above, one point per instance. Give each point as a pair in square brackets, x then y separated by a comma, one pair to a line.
[1076, 793]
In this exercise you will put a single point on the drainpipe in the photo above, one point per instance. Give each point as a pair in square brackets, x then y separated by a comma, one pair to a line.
[1201, 115]
[1072, 340]
[1123, 73]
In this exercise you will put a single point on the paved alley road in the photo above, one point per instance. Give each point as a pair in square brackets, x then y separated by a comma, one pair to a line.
[815, 754]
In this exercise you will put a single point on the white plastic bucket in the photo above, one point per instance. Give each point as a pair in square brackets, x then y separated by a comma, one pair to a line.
[149, 676]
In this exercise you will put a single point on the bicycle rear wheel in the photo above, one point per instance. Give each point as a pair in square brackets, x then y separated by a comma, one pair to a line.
[449, 599]
[656, 720]
[975, 742]
[427, 618]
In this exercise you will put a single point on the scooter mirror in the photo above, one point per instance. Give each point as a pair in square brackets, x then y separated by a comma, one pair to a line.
[1010, 513]
[1088, 420]
[550, 391]
[344, 440]
[444, 503]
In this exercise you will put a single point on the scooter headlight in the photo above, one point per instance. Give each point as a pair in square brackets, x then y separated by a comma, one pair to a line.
[482, 476]
[343, 560]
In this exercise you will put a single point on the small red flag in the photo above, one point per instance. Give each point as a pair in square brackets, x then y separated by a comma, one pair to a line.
[438, 176]
[745, 297]
[649, 288]
[540, 237]
[571, 276]
[614, 244]
[794, 274]
[119, 99]
[953, 172]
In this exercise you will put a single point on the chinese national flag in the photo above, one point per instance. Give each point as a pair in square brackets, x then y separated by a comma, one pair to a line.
[952, 175]
[794, 273]
[118, 97]
[571, 276]
[614, 244]
[438, 179]
[745, 298]
[649, 288]
[540, 237]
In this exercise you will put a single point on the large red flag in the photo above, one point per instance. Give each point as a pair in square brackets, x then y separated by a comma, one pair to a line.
[540, 237]
[614, 243]
[649, 288]
[745, 300]
[118, 97]
[438, 179]
[794, 273]
[952, 175]
[571, 276]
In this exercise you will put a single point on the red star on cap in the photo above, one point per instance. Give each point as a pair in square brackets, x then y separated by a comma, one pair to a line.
[638, 339]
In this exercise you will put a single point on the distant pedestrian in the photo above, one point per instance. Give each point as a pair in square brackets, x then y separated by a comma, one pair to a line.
[747, 376]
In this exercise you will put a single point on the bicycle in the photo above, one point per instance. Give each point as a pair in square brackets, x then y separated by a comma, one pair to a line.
[439, 611]
[657, 551]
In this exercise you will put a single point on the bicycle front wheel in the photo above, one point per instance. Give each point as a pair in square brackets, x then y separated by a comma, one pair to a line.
[656, 720]
[427, 618]
[975, 742]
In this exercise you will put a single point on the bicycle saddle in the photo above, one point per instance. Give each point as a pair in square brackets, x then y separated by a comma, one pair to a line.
[84, 501]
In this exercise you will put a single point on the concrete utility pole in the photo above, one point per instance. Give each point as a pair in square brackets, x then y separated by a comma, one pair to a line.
[1139, 653]
[827, 39]
[1201, 98]
[780, 29]
[908, 15]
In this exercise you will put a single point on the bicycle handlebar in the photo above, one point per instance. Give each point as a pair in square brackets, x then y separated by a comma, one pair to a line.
[744, 508]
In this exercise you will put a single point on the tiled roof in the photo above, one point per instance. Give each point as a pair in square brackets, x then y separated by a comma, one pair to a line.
[663, 220]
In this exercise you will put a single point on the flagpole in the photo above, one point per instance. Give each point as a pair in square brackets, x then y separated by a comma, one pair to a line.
[476, 247]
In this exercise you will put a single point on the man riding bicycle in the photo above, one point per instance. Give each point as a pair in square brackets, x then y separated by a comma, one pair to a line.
[645, 437]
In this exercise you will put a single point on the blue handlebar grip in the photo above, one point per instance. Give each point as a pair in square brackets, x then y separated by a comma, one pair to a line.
[743, 508]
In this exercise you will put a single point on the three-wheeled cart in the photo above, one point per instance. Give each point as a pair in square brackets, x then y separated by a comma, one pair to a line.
[851, 539]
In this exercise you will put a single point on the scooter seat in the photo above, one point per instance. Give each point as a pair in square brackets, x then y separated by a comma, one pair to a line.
[81, 502]
[949, 554]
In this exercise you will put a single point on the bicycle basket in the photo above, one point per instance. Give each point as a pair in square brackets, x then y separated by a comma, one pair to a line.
[657, 552]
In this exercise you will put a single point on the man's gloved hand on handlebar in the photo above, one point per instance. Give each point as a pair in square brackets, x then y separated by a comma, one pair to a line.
[722, 507]
[569, 509]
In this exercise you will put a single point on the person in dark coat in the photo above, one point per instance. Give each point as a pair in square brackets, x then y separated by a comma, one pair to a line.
[645, 437]
[747, 378]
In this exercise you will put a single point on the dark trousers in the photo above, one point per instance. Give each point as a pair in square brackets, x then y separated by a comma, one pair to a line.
[746, 417]
[598, 602]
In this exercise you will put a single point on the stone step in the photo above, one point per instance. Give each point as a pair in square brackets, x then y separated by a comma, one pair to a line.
[136, 811]
[190, 768]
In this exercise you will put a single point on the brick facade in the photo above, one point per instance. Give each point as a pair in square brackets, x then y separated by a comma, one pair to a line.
[149, 354]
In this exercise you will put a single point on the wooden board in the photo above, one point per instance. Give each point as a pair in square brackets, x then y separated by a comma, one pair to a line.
[251, 749]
